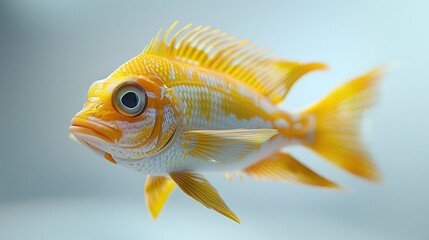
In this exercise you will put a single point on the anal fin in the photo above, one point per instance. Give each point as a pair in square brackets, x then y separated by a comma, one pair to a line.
[197, 187]
[284, 167]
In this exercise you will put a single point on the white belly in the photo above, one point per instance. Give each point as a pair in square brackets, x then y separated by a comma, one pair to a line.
[174, 159]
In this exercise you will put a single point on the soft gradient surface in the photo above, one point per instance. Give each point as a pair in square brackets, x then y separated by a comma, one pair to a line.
[54, 188]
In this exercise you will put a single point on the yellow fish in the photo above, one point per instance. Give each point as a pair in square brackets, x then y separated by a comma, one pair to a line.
[201, 101]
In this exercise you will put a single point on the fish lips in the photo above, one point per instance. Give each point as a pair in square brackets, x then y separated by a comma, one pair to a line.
[92, 134]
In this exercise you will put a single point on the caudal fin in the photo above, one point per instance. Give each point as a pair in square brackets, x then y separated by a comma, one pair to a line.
[336, 134]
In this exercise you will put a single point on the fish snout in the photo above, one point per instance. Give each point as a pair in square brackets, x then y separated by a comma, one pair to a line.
[93, 130]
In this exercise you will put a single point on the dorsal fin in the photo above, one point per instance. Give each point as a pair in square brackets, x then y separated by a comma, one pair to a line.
[215, 50]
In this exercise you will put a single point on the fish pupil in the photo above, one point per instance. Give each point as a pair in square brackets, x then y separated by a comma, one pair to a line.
[130, 100]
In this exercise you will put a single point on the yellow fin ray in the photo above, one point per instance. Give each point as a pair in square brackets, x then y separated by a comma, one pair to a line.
[336, 134]
[200, 43]
[215, 37]
[157, 190]
[216, 50]
[225, 53]
[193, 41]
[284, 167]
[171, 49]
[197, 187]
[225, 145]
[186, 40]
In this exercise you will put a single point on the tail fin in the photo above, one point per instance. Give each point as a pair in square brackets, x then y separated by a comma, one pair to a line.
[337, 125]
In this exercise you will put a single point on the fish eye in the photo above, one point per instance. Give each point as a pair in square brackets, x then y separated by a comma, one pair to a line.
[130, 100]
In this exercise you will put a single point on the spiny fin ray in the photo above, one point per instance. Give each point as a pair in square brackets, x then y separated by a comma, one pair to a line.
[215, 50]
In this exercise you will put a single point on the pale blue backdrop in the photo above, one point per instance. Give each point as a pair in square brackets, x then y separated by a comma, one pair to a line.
[53, 188]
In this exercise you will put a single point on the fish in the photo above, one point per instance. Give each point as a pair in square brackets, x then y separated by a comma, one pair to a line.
[197, 100]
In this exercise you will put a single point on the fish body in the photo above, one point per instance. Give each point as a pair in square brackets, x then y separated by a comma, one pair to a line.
[204, 102]
[209, 100]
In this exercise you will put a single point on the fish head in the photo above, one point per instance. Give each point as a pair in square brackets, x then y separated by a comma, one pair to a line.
[130, 118]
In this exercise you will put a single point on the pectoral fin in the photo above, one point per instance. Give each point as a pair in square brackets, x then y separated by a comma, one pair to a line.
[197, 187]
[284, 167]
[225, 145]
[157, 189]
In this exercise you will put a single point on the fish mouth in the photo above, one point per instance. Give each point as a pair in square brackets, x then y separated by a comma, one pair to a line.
[87, 131]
